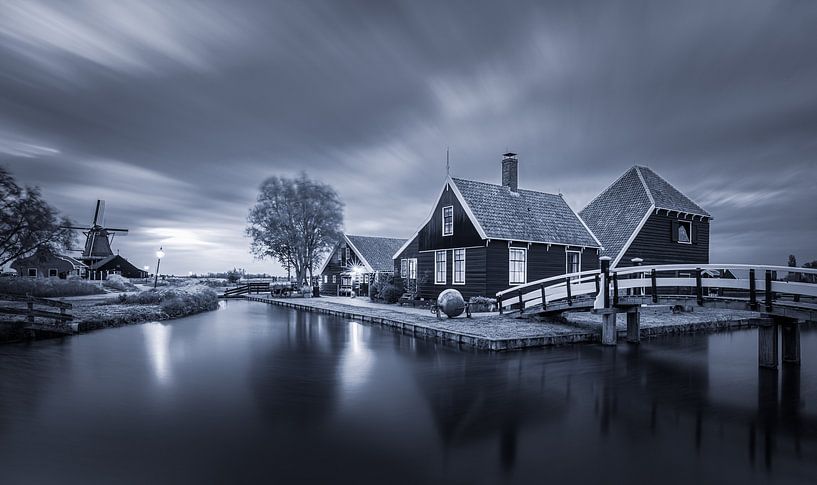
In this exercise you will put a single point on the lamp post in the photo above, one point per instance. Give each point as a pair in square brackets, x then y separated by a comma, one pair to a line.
[159, 255]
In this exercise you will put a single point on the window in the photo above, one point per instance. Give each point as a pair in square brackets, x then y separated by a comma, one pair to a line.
[517, 265]
[345, 256]
[412, 268]
[334, 278]
[325, 279]
[459, 266]
[448, 220]
[403, 268]
[52, 272]
[32, 272]
[573, 261]
[439, 268]
[684, 234]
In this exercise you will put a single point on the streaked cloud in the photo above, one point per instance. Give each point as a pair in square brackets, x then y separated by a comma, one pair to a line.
[174, 112]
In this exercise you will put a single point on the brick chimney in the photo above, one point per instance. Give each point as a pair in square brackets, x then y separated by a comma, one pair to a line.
[510, 171]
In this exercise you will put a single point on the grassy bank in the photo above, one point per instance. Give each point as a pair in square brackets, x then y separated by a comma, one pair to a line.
[145, 306]
[48, 287]
[150, 305]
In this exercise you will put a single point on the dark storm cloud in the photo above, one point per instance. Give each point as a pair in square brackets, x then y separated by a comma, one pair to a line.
[174, 112]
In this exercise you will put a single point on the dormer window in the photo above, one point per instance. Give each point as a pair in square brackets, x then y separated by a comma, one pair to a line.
[683, 232]
[448, 220]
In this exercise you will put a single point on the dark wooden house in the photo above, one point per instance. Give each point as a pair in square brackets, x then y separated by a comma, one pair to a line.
[114, 264]
[45, 263]
[354, 261]
[641, 215]
[482, 238]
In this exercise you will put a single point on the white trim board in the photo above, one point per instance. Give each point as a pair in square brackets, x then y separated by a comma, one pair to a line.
[632, 237]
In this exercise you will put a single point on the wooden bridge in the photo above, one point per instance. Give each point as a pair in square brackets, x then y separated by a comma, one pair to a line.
[32, 307]
[786, 295]
[246, 289]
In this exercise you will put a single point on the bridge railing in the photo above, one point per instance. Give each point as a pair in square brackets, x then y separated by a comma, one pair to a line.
[756, 283]
[565, 287]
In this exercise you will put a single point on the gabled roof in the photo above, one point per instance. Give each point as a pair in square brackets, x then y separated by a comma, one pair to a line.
[618, 213]
[525, 215]
[376, 251]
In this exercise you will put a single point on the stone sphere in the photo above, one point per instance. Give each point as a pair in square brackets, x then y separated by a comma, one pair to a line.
[451, 302]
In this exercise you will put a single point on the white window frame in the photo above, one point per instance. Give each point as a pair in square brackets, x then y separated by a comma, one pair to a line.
[56, 272]
[28, 273]
[567, 260]
[404, 267]
[412, 268]
[334, 278]
[451, 231]
[525, 267]
[437, 272]
[681, 222]
[454, 266]
[326, 278]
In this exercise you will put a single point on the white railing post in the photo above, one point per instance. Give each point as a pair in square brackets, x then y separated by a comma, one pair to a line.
[603, 298]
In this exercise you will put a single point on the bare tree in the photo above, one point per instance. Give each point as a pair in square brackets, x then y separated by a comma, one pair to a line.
[295, 220]
[27, 222]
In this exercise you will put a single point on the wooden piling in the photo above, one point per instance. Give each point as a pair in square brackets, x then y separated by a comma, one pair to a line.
[608, 327]
[634, 326]
[790, 336]
[767, 354]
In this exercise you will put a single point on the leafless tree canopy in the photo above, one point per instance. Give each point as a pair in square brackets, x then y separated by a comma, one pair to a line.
[27, 222]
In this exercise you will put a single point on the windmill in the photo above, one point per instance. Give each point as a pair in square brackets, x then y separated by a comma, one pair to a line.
[97, 241]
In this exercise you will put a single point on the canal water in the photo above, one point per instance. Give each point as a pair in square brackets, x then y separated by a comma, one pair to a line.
[257, 393]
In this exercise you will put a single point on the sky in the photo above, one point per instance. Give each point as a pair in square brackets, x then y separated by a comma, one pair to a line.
[175, 112]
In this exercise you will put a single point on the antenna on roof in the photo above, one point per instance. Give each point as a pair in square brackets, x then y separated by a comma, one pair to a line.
[447, 163]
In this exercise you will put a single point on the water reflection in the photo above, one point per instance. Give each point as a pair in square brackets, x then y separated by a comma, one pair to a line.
[254, 391]
[157, 343]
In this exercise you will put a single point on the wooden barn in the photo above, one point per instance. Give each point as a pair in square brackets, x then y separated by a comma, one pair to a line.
[482, 238]
[114, 264]
[354, 261]
[641, 215]
[44, 263]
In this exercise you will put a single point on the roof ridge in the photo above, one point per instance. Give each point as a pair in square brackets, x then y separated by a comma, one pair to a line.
[609, 186]
[644, 183]
[683, 194]
[502, 186]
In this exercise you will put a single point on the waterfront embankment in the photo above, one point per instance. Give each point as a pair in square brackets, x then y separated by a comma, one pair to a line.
[492, 331]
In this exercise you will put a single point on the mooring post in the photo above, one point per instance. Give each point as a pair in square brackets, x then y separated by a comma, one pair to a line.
[633, 325]
[769, 290]
[615, 289]
[608, 315]
[499, 303]
[636, 262]
[790, 336]
[654, 282]
[752, 290]
[605, 270]
[544, 299]
[699, 289]
[569, 297]
[767, 355]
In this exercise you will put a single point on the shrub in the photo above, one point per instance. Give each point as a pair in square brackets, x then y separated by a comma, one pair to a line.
[482, 303]
[374, 290]
[482, 300]
[390, 293]
[118, 283]
[175, 302]
[48, 287]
